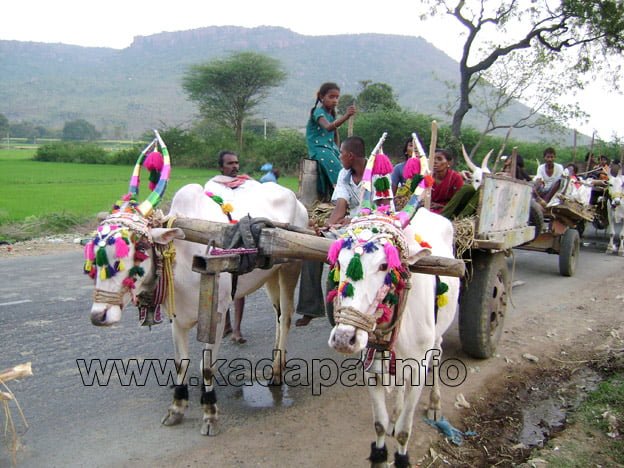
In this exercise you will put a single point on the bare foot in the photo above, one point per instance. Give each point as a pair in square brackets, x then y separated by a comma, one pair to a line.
[303, 321]
[226, 331]
[238, 339]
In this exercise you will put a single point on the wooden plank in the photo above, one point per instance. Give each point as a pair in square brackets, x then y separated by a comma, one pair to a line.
[503, 240]
[504, 205]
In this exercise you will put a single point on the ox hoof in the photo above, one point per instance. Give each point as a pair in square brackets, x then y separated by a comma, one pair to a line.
[172, 418]
[209, 429]
[434, 414]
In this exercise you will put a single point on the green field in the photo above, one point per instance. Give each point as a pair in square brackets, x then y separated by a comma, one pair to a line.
[32, 188]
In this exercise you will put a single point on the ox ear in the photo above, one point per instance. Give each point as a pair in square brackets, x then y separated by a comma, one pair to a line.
[164, 236]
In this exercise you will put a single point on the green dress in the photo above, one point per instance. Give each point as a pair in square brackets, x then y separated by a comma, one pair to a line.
[323, 149]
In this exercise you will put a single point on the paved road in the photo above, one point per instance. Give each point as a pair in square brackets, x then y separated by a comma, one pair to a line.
[44, 304]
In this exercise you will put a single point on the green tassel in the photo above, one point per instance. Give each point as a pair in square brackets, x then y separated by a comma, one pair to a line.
[331, 279]
[348, 290]
[382, 184]
[136, 271]
[394, 277]
[415, 181]
[217, 199]
[354, 270]
[391, 299]
[100, 257]
[441, 289]
[154, 176]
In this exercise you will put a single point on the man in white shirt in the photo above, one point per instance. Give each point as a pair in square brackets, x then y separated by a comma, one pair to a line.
[548, 178]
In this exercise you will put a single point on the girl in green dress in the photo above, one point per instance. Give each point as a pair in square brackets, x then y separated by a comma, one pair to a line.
[322, 137]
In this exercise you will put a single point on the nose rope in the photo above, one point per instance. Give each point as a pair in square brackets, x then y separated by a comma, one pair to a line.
[108, 297]
[364, 321]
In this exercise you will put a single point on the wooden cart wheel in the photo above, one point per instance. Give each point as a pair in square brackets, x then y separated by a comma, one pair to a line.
[483, 304]
[568, 252]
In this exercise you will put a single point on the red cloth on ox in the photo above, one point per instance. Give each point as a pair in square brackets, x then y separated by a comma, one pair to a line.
[442, 192]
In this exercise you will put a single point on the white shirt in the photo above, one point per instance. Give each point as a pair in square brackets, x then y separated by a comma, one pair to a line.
[347, 190]
[549, 181]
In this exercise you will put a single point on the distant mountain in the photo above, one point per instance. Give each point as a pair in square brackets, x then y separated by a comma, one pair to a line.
[124, 92]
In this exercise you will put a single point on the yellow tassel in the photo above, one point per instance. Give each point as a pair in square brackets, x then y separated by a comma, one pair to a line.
[88, 265]
[121, 266]
[103, 273]
[442, 300]
[417, 238]
[336, 275]
[227, 208]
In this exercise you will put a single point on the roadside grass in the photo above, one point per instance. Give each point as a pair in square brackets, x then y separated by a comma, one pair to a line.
[585, 441]
[41, 198]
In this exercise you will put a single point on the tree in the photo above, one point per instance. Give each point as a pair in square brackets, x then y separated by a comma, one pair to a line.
[4, 125]
[229, 89]
[377, 97]
[79, 129]
[589, 27]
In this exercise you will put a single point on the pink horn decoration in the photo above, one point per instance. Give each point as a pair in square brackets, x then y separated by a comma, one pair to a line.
[382, 165]
[121, 248]
[334, 250]
[89, 251]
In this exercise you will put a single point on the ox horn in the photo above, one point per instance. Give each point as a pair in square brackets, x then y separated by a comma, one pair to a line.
[485, 161]
[471, 165]
[153, 199]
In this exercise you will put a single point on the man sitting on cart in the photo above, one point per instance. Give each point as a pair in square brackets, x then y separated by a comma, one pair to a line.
[548, 178]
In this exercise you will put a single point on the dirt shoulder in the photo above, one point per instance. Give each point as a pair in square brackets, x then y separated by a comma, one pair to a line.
[43, 246]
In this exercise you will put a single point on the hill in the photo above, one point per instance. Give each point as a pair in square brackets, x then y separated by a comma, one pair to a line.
[124, 92]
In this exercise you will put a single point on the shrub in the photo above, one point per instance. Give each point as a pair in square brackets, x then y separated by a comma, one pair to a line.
[67, 152]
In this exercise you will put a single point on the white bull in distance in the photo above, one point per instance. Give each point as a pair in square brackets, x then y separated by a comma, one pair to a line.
[372, 261]
[615, 212]
[137, 241]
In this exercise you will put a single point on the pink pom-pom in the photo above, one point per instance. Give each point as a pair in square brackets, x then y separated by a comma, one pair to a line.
[334, 250]
[89, 251]
[127, 197]
[404, 218]
[121, 248]
[392, 256]
[128, 282]
[331, 295]
[154, 161]
[411, 168]
[382, 165]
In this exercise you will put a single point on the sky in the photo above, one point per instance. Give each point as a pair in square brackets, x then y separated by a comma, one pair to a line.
[115, 23]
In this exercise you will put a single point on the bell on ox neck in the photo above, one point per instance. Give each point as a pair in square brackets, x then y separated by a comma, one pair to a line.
[377, 362]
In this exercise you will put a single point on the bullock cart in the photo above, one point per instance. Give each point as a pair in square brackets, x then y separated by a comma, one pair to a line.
[501, 223]
[274, 243]
[562, 229]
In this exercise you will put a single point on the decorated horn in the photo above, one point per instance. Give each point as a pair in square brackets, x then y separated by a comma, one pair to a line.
[471, 165]
[158, 192]
[485, 160]
[421, 150]
[367, 177]
[135, 179]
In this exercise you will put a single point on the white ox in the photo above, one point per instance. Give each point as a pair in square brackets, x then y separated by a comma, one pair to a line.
[476, 177]
[421, 327]
[258, 200]
[615, 211]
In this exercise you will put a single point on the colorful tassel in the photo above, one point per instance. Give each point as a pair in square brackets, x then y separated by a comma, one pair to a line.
[382, 165]
[382, 184]
[428, 181]
[441, 288]
[411, 168]
[392, 256]
[348, 290]
[442, 300]
[386, 314]
[355, 270]
[140, 255]
[92, 273]
[89, 251]
[334, 250]
[128, 282]
[370, 247]
[331, 295]
[110, 271]
[391, 299]
[100, 257]
[88, 265]
[121, 248]
[154, 161]
[136, 271]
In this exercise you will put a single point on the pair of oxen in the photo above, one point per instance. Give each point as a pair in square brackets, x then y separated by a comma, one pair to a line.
[380, 245]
